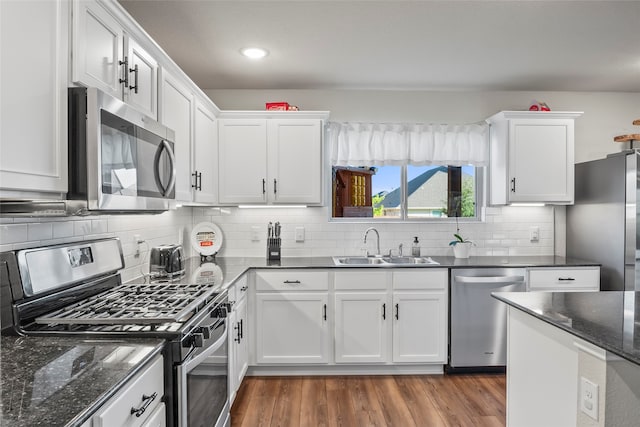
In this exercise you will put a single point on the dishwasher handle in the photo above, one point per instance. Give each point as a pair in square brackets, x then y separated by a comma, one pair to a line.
[489, 279]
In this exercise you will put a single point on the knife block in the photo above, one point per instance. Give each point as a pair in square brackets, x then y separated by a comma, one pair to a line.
[273, 248]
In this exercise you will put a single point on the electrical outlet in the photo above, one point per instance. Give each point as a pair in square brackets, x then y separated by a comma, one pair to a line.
[299, 234]
[534, 234]
[255, 233]
[589, 398]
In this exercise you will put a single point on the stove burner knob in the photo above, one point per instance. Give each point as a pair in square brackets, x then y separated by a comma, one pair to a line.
[197, 339]
[206, 333]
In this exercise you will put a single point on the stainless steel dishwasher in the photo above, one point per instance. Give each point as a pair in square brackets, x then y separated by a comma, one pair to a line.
[478, 334]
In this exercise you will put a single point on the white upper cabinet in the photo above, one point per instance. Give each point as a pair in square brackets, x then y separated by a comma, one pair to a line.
[205, 155]
[176, 112]
[271, 160]
[143, 79]
[34, 40]
[532, 157]
[242, 166]
[105, 56]
[295, 160]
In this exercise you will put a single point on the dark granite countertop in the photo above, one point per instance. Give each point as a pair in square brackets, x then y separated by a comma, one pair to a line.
[609, 319]
[61, 381]
[233, 267]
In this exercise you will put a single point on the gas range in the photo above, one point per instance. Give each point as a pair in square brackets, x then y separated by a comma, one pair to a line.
[76, 289]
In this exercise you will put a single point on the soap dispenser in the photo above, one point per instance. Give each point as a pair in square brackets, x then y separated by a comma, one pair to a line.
[415, 248]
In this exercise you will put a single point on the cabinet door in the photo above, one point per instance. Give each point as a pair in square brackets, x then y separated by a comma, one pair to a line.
[242, 350]
[206, 155]
[242, 162]
[540, 160]
[292, 328]
[295, 161]
[33, 134]
[419, 327]
[176, 113]
[232, 345]
[361, 327]
[97, 46]
[142, 92]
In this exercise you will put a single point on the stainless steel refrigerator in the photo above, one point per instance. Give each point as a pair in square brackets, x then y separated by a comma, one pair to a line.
[602, 225]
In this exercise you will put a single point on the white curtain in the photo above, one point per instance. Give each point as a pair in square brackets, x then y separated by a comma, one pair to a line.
[369, 144]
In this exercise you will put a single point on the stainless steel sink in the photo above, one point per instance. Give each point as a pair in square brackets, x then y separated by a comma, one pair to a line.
[384, 261]
[358, 261]
[411, 260]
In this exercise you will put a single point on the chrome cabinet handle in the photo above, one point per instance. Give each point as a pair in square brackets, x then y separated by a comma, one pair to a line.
[324, 312]
[397, 312]
[275, 186]
[384, 311]
[264, 186]
[146, 402]
[513, 185]
[570, 279]
[293, 282]
[126, 71]
[241, 328]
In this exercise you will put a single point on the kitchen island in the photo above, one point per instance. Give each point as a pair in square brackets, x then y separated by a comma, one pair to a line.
[62, 381]
[573, 358]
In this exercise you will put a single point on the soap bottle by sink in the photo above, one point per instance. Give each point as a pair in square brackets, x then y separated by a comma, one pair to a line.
[415, 248]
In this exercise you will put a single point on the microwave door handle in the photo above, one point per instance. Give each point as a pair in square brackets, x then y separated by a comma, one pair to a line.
[165, 146]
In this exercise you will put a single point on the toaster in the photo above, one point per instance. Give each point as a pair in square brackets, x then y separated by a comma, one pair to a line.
[166, 261]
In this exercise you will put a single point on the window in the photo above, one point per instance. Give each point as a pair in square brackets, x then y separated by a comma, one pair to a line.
[405, 192]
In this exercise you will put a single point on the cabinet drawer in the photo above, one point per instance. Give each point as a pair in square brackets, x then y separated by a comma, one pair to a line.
[559, 279]
[361, 279]
[292, 280]
[117, 412]
[416, 279]
[238, 290]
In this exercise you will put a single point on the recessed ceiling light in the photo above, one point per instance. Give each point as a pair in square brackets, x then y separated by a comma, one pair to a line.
[254, 52]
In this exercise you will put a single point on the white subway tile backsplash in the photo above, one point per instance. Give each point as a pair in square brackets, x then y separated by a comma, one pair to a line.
[13, 233]
[40, 231]
[62, 229]
[82, 228]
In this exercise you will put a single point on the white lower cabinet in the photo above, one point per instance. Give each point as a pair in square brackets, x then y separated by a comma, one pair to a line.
[361, 329]
[419, 327]
[238, 336]
[398, 317]
[563, 278]
[291, 317]
[136, 405]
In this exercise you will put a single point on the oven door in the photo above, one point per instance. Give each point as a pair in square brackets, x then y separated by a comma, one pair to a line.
[202, 378]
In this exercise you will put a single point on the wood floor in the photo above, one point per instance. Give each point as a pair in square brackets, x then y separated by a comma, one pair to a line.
[354, 401]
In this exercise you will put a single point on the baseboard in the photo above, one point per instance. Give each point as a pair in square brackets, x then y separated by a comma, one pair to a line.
[315, 370]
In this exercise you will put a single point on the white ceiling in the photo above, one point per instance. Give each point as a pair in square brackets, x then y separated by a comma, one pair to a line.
[394, 44]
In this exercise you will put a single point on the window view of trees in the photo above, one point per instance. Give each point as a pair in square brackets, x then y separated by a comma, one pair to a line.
[428, 192]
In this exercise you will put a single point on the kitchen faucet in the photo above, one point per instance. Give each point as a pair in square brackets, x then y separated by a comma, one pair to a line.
[364, 239]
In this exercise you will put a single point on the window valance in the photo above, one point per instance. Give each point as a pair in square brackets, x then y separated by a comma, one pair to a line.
[369, 144]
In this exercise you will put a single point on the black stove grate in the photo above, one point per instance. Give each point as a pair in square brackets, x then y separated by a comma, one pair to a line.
[133, 304]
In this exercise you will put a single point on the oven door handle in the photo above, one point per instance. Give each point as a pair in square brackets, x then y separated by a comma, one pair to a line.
[192, 361]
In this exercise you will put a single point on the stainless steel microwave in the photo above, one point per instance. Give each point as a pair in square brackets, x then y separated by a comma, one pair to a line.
[119, 159]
